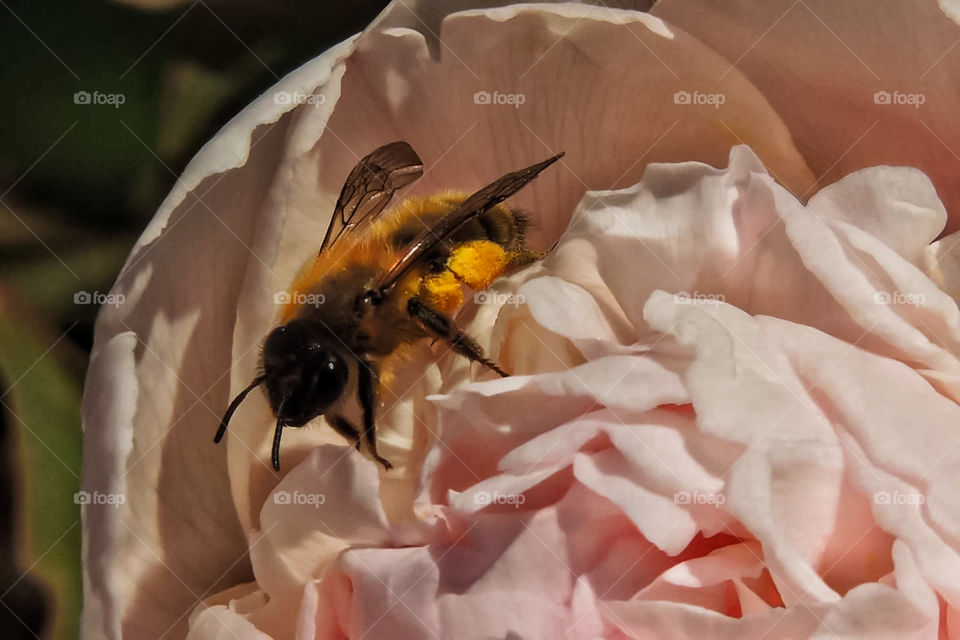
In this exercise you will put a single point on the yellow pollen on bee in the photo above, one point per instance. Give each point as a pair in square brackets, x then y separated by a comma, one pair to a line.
[478, 263]
[442, 292]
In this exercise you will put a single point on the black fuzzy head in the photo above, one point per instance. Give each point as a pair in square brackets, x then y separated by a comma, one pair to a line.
[303, 375]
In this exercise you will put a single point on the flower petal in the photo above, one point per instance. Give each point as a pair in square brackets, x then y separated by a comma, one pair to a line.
[822, 71]
[325, 504]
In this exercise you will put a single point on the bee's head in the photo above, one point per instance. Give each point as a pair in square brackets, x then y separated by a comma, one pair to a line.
[303, 375]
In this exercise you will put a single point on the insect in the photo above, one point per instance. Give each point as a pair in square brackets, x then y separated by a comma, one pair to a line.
[386, 281]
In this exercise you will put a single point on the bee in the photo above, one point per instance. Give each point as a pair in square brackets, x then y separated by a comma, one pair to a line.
[386, 282]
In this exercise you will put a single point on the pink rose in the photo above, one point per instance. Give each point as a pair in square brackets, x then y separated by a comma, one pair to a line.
[684, 455]
[734, 405]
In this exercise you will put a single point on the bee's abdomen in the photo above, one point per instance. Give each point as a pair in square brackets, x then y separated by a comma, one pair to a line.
[477, 254]
[500, 225]
[506, 227]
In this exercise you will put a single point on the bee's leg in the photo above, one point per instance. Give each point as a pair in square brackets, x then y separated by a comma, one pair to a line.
[344, 428]
[367, 390]
[443, 328]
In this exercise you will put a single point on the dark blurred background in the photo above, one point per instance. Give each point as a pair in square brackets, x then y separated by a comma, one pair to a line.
[104, 104]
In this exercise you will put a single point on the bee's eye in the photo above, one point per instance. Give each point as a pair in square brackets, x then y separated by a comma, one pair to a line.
[284, 347]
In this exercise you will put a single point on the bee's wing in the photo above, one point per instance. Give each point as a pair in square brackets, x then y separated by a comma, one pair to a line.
[369, 188]
[473, 206]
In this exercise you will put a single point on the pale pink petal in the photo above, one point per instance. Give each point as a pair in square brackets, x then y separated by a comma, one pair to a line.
[324, 505]
[874, 399]
[481, 425]
[897, 206]
[684, 243]
[496, 564]
[761, 250]
[382, 593]
[820, 69]
[587, 622]
[220, 623]
[659, 518]
[550, 299]
[870, 611]
[873, 612]
[941, 263]
[707, 581]
[909, 580]
[898, 311]
[784, 488]
[846, 388]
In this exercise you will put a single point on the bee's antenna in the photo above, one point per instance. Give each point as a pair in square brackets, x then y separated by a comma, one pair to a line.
[233, 407]
[276, 445]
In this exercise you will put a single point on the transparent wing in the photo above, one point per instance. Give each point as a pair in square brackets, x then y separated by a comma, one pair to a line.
[473, 206]
[369, 188]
